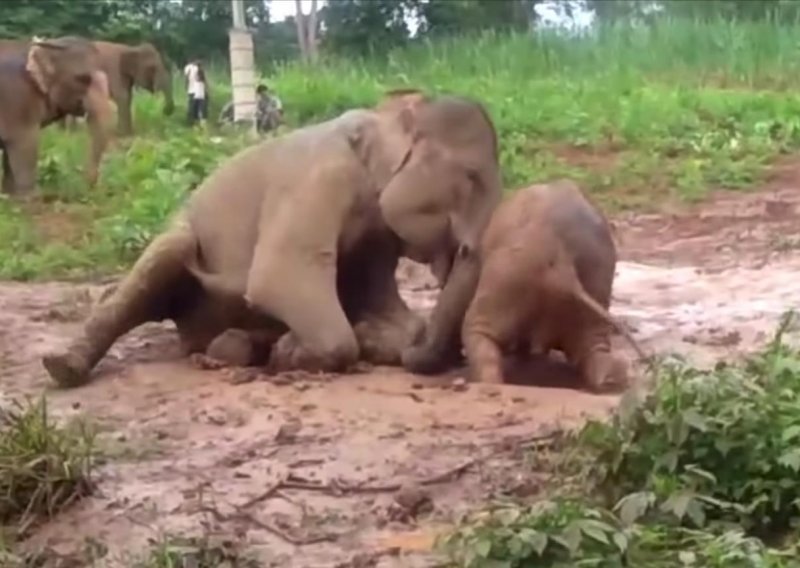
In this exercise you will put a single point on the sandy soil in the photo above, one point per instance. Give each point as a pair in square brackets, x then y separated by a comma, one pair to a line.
[307, 468]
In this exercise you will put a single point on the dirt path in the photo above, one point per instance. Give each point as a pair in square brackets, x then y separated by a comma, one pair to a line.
[190, 449]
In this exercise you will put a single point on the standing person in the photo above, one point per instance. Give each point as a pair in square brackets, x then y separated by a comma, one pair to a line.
[197, 91]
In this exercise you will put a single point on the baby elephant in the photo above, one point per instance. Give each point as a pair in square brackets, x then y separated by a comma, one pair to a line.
[548, 261]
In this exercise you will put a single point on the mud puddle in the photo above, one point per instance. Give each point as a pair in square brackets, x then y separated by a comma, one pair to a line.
[315, 471]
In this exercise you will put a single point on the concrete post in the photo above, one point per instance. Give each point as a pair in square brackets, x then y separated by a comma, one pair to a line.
[243, 81]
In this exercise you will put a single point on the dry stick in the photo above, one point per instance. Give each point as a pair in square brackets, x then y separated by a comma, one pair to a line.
[269, 527]
[279, 532]
[534, 441]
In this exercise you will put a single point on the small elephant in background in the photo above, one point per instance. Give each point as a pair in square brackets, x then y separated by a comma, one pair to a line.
[129, 66]
[41, 82]
[547, 269]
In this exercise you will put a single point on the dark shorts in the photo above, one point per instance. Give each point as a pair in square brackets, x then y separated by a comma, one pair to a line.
[198, 109]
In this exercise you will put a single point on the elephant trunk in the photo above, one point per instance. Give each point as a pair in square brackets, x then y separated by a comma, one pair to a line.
[442, 345]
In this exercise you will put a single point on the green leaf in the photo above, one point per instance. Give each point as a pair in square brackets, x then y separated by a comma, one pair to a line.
[621, 541]
[696, 512]
[596, 530]
[536, 539]
[483, 548]
[692, 418]
[632, 507]
[791, 433]
[678, 504]
[791, 459]
[572, 537]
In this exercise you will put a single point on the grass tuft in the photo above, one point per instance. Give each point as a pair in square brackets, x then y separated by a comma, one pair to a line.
[44, 467]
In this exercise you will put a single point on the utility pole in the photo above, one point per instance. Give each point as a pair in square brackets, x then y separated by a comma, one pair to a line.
[242, 73]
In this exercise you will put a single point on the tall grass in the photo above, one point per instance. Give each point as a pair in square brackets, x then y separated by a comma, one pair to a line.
[638, 114]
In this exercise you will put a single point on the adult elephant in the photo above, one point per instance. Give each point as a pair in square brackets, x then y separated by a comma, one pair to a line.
[302, 234]
[41, 82]
[129, 66]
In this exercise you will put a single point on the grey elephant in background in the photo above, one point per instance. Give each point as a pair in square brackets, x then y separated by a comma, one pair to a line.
[548, 261]
[129, 66]
[40, 83]
[301, 234]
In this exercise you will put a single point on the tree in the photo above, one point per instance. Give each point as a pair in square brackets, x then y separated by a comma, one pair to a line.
[447, 17]
[361, 26]
[306, 30]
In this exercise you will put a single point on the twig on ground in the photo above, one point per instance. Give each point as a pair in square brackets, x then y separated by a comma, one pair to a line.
[341, 488]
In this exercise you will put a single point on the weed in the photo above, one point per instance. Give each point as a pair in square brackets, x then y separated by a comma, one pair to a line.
[202, 552]
[44, 467]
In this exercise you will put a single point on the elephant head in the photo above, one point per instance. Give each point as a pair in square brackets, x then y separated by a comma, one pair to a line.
[145, 68]
[436, 166]
[62, 70]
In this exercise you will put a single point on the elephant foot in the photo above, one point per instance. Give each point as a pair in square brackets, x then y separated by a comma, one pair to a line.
[382, 343]
[68, 369]
[232, 347]
[289, 355]
[423, 360]
[603, 373]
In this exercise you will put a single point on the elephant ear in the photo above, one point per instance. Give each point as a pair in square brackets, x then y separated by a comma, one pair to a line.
[40, 66]
[384, 142]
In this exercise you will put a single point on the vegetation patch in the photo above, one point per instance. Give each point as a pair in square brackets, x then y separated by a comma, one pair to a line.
[702, 471]
[640, 115]
[44, 467]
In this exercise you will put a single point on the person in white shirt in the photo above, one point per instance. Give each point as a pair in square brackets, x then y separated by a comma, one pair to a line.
[197, 89]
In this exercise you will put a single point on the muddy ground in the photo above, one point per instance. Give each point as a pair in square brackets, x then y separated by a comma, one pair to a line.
[306, 468]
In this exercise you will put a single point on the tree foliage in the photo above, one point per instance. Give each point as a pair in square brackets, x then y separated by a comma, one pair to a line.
[199, 28]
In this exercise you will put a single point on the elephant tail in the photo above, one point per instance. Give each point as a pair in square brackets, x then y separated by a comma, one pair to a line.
[570, 282]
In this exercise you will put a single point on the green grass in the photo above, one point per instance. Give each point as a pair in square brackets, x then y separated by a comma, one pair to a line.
[640, 116]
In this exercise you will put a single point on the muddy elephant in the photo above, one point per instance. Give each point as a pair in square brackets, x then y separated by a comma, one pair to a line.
[302, 234]
[40, 83]
[547, 269]
[129, 66]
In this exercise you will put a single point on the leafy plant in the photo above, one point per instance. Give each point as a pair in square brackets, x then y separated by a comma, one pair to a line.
[702, 471]
[719, 444]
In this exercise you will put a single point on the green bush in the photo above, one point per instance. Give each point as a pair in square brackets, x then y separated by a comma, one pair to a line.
[710, 445]
[702, 471]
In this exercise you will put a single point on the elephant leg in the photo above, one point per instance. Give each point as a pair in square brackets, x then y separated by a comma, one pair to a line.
[125, 127]
[19, 163]
[383, 338]
[587, 345]
[306, 301]
[151, 291]
[499, 317]
[99, 118]
[383, 323]
[441, 344]
[8, 175]
[201, 323]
